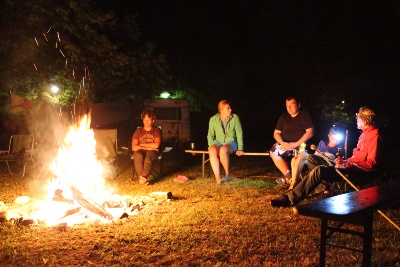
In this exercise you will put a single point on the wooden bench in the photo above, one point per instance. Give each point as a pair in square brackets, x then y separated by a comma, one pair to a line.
[205, 160]
[353, 208]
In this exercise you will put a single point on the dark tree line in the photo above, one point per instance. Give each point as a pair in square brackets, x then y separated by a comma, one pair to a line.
[83, 48]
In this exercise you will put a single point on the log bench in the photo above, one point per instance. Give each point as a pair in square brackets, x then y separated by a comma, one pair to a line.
[205, 160]
[355, 208]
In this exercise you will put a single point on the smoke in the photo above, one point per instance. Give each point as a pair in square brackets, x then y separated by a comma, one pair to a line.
[49, 126]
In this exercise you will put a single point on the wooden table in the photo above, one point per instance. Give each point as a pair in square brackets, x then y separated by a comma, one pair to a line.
[352, 208]
[205, 160]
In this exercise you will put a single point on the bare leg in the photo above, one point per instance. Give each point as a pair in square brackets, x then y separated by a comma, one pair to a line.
[297, 166]
[224, 153]
[280, 163]
[214, 161]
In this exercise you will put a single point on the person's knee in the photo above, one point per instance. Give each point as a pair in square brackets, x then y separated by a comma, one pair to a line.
[303, 155]
[213, 149]
[274, 156]
[225, 150]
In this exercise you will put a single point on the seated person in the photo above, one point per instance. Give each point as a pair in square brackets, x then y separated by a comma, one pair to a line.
[145, 143]
[326, 150]
[358, 166]
[225, 137]
[329, 149]
[293, 129]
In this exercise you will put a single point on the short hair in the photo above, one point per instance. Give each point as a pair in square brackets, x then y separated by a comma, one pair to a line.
[149, 113]
[222, 104]
[367, 115]
[292, 98]
[334, 130]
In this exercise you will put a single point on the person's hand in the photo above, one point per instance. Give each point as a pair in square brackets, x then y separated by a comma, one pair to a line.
[339, 162]
[329, 155]
[286, 146]
[239, 152]
[293, 146]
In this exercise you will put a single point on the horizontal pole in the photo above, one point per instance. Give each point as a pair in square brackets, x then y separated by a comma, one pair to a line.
[245, 153]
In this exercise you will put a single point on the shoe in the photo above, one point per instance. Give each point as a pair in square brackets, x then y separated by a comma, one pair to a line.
[225, 180]
[281, 181]
[282, 201]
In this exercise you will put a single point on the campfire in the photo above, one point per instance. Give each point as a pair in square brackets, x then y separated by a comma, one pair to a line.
[77, 192]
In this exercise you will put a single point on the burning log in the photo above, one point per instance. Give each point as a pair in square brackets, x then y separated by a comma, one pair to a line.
[70, 212]
[58, 196]
[90, 204]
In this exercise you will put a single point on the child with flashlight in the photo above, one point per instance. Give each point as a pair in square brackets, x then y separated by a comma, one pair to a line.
[329, 149]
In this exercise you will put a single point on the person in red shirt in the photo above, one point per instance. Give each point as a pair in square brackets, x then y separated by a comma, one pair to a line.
[145, 143]
[365, 158]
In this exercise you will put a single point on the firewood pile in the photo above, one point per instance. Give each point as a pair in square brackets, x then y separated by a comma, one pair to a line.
[80, 209]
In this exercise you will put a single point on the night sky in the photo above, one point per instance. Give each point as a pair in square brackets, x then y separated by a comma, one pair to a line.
[256, 53]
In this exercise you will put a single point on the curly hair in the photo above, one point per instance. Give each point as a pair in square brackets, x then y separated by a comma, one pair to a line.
[149, 113]
[367, 115]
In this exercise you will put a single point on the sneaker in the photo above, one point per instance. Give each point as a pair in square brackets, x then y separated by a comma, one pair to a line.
[282, 201]
[281, 181]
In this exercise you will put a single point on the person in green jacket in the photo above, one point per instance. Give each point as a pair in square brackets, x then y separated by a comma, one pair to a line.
[225, 137]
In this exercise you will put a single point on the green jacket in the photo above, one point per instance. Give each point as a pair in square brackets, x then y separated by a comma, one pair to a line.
[234, 131]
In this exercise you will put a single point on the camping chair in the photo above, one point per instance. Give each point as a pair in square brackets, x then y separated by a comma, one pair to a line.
[20, 150]
[107, 149]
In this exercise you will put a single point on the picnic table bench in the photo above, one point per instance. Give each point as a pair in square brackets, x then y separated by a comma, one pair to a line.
[355, 208]
[205, 160]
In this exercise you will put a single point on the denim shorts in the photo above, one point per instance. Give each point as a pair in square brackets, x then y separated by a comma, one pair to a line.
[234, 145]
[277, 149]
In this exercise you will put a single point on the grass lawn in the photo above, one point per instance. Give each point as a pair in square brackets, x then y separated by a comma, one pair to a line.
[203, 225]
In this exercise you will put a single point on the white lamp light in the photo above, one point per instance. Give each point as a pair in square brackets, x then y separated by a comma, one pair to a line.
[165, 95]
[54, 89]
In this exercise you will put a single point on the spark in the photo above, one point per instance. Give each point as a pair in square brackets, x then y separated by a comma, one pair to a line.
[49, 30]
[45, 37]
[35, 66]
[66, 62]
[58, 37]
[73, 73]
[62, 53]
[36, 41]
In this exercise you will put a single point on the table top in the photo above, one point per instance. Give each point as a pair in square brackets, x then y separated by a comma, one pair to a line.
[361, 202]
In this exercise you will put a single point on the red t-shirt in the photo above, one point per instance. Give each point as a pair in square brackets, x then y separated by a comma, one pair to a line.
[144, 136]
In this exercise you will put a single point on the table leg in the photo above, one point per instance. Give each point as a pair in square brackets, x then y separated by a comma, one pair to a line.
[367, 240]
[203, 165]
[322, 245]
